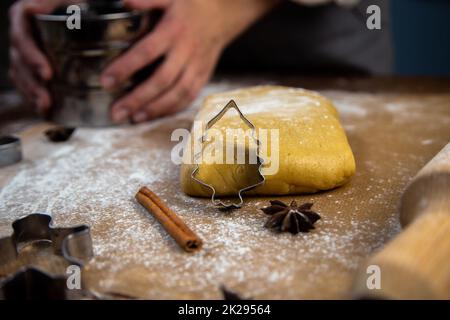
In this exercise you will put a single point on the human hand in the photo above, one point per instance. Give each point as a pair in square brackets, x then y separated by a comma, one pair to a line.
[191, 35]
[29, 68]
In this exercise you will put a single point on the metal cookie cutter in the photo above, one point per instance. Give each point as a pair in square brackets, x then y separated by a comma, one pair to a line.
[73, 246]
[10, 150]
[260, 178]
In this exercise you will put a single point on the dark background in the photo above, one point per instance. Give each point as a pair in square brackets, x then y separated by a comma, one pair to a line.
[420, 32]
[421, 36]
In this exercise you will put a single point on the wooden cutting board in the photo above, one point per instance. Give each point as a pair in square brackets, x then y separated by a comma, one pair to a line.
[394, 127]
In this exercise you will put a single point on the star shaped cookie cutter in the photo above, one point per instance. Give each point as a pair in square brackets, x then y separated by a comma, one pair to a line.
[73, 244]
[261, 179]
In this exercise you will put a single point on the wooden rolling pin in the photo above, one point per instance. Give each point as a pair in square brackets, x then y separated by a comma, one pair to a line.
[415, 264]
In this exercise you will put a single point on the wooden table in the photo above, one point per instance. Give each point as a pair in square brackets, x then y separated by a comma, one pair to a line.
[394, 125]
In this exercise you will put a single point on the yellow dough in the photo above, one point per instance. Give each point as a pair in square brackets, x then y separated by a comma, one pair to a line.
[314, 153]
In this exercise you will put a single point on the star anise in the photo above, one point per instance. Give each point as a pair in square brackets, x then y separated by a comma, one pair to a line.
[59, 134]
[230, 295]
[292, 218]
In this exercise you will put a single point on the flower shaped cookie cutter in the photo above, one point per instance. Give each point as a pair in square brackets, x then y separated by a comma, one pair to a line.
[72, 244]
[260, 179]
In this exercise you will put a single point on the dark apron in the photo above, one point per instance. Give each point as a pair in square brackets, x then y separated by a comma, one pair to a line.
[325, 39]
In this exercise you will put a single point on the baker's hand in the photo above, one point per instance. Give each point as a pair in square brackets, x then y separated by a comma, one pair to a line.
[191, 35]
[29, 68]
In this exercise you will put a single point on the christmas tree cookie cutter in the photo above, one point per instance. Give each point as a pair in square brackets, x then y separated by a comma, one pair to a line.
[260, 179]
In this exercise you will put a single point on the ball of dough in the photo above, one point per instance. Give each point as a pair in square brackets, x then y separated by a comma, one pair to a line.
[313, 151]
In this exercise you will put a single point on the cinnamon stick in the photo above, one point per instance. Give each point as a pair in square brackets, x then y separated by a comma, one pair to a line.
[173, 224]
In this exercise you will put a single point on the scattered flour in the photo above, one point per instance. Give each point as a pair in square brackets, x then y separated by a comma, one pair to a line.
[426, 141]
[93, 178]
[350, 104]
